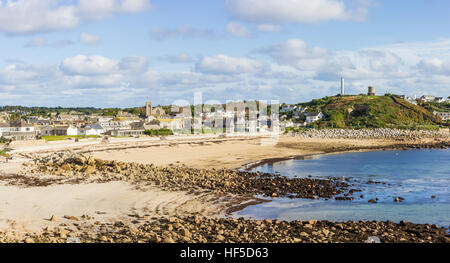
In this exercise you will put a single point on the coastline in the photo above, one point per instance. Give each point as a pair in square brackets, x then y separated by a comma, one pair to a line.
[215, 205]
[406, 147]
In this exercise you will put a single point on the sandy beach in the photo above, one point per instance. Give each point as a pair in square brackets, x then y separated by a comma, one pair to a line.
[28, 208]
[234, 154]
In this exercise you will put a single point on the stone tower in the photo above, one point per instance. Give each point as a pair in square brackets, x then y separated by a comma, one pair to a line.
[148, 109]
[371, 91]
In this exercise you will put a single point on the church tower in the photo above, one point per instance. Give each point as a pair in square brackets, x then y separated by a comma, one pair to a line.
[148, 109]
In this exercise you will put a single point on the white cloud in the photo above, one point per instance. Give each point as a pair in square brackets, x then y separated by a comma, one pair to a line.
[89, 65]
[295, 11]
[35, 16]
[99, 9]
[222, 64]
[365, 64]
[407, 68]
[88, 39]
[296, 53]
[17, 74]
[98, 65]
[238, 30]
[435, 66]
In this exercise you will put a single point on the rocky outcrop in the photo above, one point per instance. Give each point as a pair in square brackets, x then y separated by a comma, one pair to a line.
[221, 181]
[383, 133]
[196, 229]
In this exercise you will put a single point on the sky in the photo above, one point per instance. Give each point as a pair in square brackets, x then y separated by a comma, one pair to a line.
[121, 53]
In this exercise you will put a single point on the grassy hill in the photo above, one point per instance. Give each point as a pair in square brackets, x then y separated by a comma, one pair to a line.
[371, 112]
[434, 106]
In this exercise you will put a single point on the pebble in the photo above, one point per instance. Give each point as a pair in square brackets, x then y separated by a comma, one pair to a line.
[29, 240]
[381, 133]
[206, 230]
[53, 218]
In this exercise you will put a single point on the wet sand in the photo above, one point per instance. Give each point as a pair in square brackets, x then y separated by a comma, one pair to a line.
[236, 154]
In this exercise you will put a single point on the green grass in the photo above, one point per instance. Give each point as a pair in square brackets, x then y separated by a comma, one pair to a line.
[160, 132]
[3, 153]
[371, 112]
[434, 106]
[66, 137]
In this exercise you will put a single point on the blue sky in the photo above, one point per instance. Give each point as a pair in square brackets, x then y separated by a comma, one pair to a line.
[116, 53]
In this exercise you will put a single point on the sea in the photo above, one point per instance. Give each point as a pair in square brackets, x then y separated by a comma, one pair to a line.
[420, 177]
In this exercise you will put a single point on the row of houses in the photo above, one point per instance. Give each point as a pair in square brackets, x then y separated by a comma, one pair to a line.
[299, 112]
[430, 98]
[445, 116]
[17, 130]
[69, 130]
[127, 124]
[424, 98]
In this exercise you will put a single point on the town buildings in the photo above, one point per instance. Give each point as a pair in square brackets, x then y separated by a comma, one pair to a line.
[409, 99]
[427, 98]
[230, 117]
[313, 117]
[445, 116]
[17, 130]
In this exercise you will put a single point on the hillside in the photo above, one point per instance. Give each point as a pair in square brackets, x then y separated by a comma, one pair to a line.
[434, 106]
[371, 112]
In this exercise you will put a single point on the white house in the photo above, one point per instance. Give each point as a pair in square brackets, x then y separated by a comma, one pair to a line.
[287, 124]
[163, 123]
[445, 116]
[409, 99]
[18, 130]
[288, 108]
[59, 131]
[123, 133]
[439, 99]
[71, 130]
[119, 124]
[92, 129]
[4, 127]
[428, 98]
[314, 116]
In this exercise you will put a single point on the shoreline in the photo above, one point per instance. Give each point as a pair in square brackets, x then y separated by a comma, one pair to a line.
[195, 229]
[228, 204]
[437, 146]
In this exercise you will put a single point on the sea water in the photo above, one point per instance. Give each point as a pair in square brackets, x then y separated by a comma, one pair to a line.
[421, 177]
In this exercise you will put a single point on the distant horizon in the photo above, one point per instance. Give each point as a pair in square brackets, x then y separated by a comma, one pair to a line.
[166, 105]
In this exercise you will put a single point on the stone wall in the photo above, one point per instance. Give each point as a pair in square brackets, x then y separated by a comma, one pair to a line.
[369, 133]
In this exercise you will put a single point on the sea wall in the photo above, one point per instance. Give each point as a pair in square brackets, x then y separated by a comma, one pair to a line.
[370, 133]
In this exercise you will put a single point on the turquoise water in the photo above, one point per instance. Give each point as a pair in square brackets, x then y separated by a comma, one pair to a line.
[415, 175]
